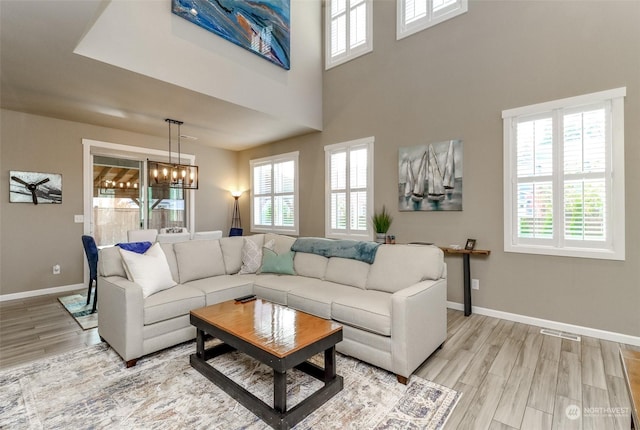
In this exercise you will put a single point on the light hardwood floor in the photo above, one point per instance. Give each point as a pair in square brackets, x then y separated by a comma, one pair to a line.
[513, 377]
[38, 327]
[510, 375]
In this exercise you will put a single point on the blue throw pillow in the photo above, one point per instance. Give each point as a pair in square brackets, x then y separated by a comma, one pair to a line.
[274, 263]
[137, 247]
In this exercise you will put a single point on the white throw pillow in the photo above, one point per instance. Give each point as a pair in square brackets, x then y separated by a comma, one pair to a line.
[149, 270]
[252, 256]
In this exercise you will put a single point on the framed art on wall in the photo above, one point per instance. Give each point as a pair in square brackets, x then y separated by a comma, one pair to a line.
[34, 187]
[430, 177]
[262, 27]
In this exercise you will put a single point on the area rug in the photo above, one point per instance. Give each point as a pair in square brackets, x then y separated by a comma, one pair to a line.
[76, 305]
[91, 388]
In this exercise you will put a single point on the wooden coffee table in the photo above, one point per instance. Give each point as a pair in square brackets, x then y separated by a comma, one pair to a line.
[277, 336]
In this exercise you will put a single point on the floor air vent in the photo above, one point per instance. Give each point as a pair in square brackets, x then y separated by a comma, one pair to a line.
[561, 334]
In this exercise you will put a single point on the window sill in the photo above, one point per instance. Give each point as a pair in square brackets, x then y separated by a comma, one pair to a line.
[598, 254]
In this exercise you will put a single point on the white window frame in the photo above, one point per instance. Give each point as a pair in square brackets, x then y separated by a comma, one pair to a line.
[350, 53]
[94, 147]
[347, 146]
[432, 17]
[613, 248]
[290, 156]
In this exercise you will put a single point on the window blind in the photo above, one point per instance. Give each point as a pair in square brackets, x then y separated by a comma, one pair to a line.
[349, 189]
[564, 177]
[417, 15]
[274, 200]
[348, 30]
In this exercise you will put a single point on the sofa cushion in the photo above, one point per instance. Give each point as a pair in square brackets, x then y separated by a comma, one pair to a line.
[199, 259]
[367, 310]
[400, 266]
[222, 288]
[347, 271]
[232, 253]
[310, 265]
[275, 287]
[315, 296]
[281, 264]
[167, 248]
[172, 303]
[110, 262]
[282, 243]
[149, 270]
[251, 253]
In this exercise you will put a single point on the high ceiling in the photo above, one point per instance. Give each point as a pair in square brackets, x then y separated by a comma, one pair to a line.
[40, 74]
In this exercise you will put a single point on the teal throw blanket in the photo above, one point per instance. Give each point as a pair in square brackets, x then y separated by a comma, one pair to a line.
[354, 249]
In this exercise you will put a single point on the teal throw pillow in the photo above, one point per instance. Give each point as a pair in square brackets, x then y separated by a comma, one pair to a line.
[274, 263]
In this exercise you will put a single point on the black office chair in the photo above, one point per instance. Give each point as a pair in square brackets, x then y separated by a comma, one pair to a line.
[91, 250]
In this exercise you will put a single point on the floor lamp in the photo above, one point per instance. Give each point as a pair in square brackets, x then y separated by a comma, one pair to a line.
[236, 224]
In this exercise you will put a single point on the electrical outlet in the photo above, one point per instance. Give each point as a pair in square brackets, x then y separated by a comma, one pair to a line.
[78, 219]
[475, 284]
[56, 269]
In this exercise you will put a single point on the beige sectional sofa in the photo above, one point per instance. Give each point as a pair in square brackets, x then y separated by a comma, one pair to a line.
[393, 311]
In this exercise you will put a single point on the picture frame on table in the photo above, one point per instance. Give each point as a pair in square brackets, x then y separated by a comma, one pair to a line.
[471, 244]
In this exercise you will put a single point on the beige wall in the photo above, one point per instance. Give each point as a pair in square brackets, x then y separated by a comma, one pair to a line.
[34, 238]
[453, 81]
[211, 65]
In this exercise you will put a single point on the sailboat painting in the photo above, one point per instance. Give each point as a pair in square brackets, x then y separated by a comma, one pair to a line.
[430, 177]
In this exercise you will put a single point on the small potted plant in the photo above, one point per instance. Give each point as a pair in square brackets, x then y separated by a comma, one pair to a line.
[381, 222]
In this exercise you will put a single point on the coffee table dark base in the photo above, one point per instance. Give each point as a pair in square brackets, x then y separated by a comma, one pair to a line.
[278, 416]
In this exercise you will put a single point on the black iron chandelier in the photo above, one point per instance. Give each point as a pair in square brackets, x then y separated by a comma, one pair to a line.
[173, 175]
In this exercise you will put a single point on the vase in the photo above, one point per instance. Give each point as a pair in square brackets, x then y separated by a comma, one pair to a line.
[381, 237]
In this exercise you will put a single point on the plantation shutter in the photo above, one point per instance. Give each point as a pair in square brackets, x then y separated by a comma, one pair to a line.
[338, 184]
[338, 27]
[357, 23]
[275, 193]
[564, 182]
[414, 10]
[348, 189]
[417, 15]
[577, 138]
[349, 171]
[348, 30]
[585, 173]
[358, 188]
[283, 195]
[534, 161]
[263, 203]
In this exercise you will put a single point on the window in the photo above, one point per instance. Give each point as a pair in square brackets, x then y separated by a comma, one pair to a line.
[274, 204]
[416, 15]
[349, 189]
[117, 197]
[348, 30]
[564, 177]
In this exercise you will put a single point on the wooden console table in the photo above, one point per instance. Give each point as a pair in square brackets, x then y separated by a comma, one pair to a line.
[631, 368]
[467, 271]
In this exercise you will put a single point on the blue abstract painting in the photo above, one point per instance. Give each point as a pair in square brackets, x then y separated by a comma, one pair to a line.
[261, 26]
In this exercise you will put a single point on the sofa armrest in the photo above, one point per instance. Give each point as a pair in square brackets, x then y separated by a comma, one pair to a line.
[121, 315]
[418, 324]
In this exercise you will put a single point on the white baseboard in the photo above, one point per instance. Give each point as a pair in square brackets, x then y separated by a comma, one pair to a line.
[43, 292]
[555, 325]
